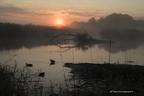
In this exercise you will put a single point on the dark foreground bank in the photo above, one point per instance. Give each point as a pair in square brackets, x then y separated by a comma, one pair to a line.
[88, 80]
[109, 79]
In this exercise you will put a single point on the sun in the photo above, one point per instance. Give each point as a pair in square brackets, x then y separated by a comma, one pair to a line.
[59, 23]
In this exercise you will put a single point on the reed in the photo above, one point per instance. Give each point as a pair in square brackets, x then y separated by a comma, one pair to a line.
[23, 82]
[20, 82]
[64, 75]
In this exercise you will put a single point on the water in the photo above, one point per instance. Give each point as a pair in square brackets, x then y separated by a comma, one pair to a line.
[40, 58]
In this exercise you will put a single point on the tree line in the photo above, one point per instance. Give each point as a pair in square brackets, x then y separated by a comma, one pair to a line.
[11, 30]
[111, 21]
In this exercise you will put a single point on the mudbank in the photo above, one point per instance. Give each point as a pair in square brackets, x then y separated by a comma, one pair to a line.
[107, 77]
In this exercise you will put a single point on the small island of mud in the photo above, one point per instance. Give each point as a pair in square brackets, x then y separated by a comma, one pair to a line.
[109, 79]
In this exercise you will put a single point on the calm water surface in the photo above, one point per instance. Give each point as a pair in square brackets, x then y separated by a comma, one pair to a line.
[40, 58]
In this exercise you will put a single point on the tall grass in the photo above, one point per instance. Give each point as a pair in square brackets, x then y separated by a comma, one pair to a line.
[23, 82]
[15, 81]
[65, 79]
[20, 82]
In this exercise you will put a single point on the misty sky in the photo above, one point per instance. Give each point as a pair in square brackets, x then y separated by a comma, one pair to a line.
[50, 12]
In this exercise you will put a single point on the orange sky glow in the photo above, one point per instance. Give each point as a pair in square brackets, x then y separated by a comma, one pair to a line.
[50, 12]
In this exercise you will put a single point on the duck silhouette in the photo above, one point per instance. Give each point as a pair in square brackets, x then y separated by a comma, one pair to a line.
[52, 62]
[42, 74]
[29, 65]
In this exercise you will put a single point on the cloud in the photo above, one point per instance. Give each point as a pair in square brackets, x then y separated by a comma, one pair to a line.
[40, 12]
[87, 13]
[25, 15]
[21, 11]
[45, 15]
[16, 10]
[11, 9]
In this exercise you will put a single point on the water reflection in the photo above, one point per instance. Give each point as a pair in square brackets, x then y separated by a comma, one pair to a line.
[40, 58]
[124, 39]
[118, 44]
[17, 43]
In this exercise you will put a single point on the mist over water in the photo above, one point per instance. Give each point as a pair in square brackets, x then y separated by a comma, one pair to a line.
[122, 30]
[123, 39]
[80, 42]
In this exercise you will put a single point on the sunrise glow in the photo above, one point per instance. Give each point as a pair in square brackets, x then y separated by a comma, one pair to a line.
[55, 12]
[59, 23]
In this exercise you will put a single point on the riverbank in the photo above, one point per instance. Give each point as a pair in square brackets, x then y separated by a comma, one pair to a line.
[88, 79]
[110, 79]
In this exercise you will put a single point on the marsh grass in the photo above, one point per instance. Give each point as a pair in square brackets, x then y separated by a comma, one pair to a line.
[100, 79]
[88, 80]
[21, 82]
[15, 81]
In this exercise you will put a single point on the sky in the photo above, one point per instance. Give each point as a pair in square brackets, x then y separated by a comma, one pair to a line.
[52, 12]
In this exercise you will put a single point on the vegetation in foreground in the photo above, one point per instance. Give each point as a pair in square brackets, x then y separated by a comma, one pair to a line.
[23, 82]
[104, 79]
[88, 80]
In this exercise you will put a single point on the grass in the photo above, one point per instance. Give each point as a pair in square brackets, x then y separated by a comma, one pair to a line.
[89, 80]
[16, 81]
[100, 79]
[20, 82]
[23, 82]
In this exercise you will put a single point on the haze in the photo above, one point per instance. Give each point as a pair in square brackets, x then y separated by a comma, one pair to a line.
[48, 12]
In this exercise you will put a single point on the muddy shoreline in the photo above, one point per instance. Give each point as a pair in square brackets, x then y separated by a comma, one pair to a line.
[107, 77]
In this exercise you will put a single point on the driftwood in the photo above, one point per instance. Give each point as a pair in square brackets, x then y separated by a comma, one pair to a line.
[63, 32]
[81, 41]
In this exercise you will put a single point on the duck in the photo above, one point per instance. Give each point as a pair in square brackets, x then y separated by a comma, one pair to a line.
[42, 74]
[52, 64]
[52, 61]
[29, 65]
